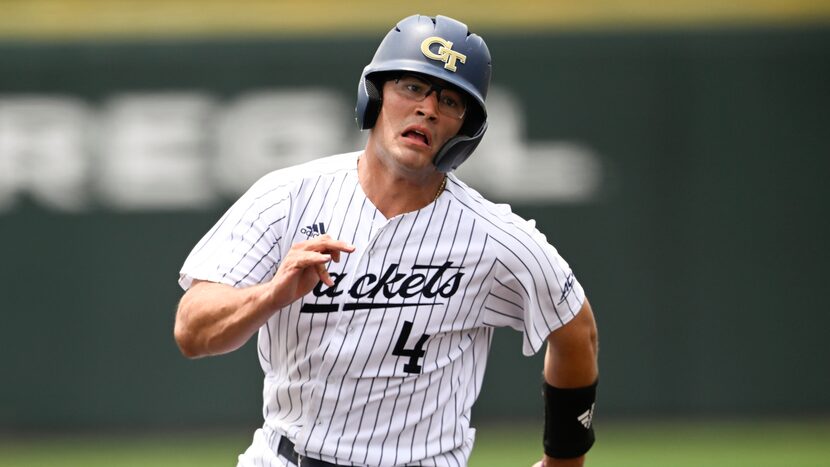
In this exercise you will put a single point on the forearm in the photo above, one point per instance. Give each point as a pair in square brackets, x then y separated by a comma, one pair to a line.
[571, 365]
[216, 318]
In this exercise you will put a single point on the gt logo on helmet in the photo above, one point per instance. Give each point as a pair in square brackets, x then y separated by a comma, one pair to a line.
[445, 52]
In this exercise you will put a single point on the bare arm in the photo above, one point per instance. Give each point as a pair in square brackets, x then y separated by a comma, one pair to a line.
[216, 318]
[571, 362]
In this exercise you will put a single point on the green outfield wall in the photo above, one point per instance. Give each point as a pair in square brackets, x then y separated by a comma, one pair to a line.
[683, 175]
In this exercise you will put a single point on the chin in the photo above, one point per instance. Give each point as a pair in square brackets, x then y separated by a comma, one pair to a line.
[415, 159]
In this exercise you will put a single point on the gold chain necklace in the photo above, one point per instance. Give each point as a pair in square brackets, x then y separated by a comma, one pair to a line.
[440, 189]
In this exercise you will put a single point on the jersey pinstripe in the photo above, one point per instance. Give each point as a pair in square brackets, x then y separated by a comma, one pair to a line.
[382, 368]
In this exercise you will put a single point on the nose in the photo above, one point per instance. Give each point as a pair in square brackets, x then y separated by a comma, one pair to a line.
[429, 106]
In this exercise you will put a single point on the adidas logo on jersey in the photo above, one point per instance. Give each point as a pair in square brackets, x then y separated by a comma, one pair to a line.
[313, 230]
[586, 417]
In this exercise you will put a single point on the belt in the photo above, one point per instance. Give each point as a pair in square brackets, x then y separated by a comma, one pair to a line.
[286, 449]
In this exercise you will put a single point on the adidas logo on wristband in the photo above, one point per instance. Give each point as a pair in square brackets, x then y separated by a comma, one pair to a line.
[587, 416]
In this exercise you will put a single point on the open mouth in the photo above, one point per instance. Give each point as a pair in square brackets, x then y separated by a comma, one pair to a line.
[415, 134]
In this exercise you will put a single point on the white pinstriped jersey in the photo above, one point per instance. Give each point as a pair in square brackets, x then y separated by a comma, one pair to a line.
[382, 368]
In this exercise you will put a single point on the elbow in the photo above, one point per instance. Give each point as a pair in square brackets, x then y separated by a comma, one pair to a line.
[202, 330]
[196, 340]
[185, 335]
[589, 336]
[186, 341]
[584, 339]
[187, 331]
[593, 338]
[586, 328]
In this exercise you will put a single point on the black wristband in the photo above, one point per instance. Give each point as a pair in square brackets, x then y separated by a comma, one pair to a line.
[568, 415]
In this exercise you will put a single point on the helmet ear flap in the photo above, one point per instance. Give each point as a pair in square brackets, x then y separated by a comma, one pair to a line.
[368, 103]
[457, 150]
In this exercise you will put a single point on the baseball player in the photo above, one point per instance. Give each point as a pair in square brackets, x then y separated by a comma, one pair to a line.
[374, 280]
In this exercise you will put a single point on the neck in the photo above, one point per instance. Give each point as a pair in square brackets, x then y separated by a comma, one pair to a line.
[395, 194]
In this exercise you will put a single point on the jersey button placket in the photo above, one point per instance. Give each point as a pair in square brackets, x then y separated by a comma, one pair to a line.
[377, 230]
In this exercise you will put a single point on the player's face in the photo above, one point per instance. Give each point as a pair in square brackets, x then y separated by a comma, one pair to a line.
[417, 117]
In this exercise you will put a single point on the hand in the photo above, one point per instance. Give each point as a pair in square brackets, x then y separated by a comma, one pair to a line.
[304, 266]
[551, 462]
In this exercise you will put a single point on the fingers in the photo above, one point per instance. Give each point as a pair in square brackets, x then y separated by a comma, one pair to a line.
[324, 275]
[316, 253]
[312, 259]
[326, 244]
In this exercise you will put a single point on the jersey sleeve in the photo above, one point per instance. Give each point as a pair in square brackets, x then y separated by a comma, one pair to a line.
[243, 248]
[534, 290]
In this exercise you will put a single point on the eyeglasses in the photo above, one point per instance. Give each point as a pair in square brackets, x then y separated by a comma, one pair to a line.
[450, 102]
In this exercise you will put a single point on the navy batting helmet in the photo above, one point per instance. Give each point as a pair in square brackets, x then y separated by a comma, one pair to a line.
[443, 48]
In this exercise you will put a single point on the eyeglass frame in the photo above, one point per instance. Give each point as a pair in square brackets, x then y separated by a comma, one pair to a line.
[432, 86]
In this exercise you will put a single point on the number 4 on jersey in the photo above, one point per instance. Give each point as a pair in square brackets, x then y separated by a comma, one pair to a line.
[414, 353]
